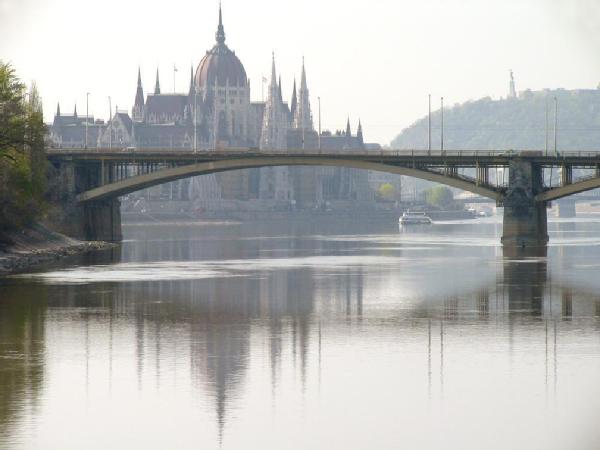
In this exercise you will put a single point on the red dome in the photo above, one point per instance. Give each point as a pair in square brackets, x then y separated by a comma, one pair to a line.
[220, 65]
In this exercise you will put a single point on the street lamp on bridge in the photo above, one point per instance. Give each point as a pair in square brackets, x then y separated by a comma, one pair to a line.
[555, 126]
[442, 131]
[110, 123]
[87, 115]
[429, 128]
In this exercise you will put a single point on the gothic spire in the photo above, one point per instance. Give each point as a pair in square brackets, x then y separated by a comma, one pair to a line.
[273, 74]
[275, 118]
[348, 130]
[280, 94]
[139, 95]
[294, 103]
[157, 85]
[75, 111]
[138, 106]
[58, 109]
[303, 117]
[220, 35]
[303, 84]
[359, 132]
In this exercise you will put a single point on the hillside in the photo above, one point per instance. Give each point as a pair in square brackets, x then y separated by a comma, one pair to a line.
[517, 123]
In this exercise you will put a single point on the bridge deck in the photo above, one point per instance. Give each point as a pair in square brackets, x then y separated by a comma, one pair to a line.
[460, 158]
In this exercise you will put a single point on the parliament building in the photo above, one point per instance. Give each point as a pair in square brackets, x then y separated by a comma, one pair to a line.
[217, 113]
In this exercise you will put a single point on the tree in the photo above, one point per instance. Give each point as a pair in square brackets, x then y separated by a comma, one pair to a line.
[514, 123]
[439, 196]
[387, 192]
[22, 156]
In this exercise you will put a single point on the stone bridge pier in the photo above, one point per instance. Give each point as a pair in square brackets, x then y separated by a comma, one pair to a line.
[525, 219]
[90, 221]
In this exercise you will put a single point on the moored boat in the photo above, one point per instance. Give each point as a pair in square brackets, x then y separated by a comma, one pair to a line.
[414, 218]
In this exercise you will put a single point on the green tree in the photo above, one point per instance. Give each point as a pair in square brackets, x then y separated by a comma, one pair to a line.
[22, 157]
[387, 192]
[439, 196]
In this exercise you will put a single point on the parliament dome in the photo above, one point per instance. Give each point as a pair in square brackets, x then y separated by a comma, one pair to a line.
[220, 65]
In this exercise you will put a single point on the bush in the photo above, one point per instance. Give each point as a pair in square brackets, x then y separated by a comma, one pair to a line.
[387, 192]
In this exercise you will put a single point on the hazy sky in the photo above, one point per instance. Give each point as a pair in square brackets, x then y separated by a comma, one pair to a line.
[376, 59]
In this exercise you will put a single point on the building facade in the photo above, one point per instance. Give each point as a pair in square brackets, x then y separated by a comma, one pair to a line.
[217, 113]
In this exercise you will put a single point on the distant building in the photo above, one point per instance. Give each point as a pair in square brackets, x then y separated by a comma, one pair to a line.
[73, 130]
[217, 112]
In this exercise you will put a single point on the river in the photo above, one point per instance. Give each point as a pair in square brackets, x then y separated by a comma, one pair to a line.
[306, 336]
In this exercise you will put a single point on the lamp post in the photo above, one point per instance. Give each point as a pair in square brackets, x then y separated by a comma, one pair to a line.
[110, 123]
[87, 113]
[174, 73]
[429, 128]
[555, 126]
[546, 143]
[442, 131]
[195, 120]
[319, 100]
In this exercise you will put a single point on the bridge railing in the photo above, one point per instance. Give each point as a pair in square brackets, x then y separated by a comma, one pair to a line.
[290, 151]
[317, 152]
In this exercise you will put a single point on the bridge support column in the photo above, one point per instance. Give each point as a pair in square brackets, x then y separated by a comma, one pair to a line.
[525, 220]
[102, 221]
[92, 221]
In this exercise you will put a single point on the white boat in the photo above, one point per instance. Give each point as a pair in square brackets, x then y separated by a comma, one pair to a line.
[414, 218]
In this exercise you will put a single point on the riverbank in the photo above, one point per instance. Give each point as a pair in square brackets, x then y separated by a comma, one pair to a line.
[26, 249]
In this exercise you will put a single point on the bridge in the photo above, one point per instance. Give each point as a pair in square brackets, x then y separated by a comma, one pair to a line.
[92, 180]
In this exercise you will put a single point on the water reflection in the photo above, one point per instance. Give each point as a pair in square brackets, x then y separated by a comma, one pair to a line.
[22, 332]
[211, 342]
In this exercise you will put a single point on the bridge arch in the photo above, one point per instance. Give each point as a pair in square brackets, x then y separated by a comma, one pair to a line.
[136, 183]
[568, 189]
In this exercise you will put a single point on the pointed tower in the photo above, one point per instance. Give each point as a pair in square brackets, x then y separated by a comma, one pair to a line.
[348, 130]
[220, 34]
[280, 94]
[512, 91]
[58, 109]
[294, 104]
[273, 136]
[157, 85]
[75, 111]
[137, 113]
[359, 133]
[275, 181]
[303, 116]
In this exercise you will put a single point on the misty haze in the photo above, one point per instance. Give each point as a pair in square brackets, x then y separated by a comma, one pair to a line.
[327, 225]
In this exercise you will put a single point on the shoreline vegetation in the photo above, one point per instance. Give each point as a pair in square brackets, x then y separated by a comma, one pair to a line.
[34, 246]
[27, 191]
[25, 181]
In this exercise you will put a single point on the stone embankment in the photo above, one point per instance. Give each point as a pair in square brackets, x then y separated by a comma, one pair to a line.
[26, 249]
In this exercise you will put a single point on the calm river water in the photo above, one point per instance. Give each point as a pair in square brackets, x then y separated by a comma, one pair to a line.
[307, 336]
